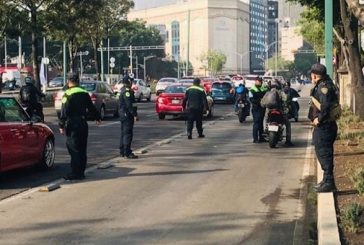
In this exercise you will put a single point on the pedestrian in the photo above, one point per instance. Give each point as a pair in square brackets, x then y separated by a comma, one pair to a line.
[194, 103]
[256, 94]
[76, 103]
[128, 116]
[323, 113]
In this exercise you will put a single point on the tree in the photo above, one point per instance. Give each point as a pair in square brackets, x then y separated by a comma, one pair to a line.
[215, 60]
[109, 19]
[69, 20]
[33, 9]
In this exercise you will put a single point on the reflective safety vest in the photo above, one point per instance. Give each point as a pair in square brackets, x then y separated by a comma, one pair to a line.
[71, 91]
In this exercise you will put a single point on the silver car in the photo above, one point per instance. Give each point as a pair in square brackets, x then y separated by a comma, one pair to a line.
[103, 97]
[163, 83]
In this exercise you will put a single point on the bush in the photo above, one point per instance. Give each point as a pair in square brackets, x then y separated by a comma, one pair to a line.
[347, 124]
[358, 180]
[351, 219]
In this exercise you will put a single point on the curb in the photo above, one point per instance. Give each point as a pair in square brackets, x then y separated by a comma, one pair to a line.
[327, 227]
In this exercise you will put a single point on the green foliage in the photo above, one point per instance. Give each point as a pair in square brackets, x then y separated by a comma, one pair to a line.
[215, 60]
[348, 123]
[313, 29]
[303, 62]
[351, 219]
[358, 180]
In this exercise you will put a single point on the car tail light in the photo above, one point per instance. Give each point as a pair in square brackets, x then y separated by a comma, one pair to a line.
[162, 100]
[135, 88]
[93, 97]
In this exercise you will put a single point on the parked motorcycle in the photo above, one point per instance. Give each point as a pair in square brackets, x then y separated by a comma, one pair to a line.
[274, 127]
[242, 110]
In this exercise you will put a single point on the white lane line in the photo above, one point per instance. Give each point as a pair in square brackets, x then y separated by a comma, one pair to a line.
[301, 202]
[109, 124]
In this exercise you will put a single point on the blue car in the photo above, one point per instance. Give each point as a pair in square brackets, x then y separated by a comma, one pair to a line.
[223, 92]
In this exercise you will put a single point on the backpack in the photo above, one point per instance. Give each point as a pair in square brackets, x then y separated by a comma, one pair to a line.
[271, 100]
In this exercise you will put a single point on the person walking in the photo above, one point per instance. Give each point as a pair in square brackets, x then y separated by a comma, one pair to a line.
[76, 102]
[194, 103]
[128, 116]
[256, 94]
[323, 112]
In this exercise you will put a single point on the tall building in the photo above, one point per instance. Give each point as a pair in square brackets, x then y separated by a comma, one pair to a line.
[273, 23]
[258, 35]
[193, 27]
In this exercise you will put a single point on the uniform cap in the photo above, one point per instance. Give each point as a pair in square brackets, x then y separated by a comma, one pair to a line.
[318, 69]
[196, 81]
[259, 78]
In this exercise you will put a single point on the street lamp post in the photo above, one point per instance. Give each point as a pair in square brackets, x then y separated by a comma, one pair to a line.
[81, 64]
[241, 58]
[145, 66]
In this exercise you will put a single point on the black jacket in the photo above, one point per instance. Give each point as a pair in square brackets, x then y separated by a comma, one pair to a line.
[76, 103]
[325, 92]
[128, 107]
[32, 93]
[195, 99]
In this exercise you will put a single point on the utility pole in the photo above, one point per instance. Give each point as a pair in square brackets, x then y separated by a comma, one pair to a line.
[131, 59]
[328, 36]
[136, 67]
[188, 42]
[6, 53]
[108, 57]
[102, 62]
[64, 62]
[19, 54]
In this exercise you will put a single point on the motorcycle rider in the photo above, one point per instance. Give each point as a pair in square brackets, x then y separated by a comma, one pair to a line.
[292, 105]
[280, 104]
[29, 98]
[241, 93]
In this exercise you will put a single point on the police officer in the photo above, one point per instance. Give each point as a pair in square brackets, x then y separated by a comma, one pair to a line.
[128, 115]
[75, 102]
[195, 102]
[256, 94]
[29, 98]
[324, 99]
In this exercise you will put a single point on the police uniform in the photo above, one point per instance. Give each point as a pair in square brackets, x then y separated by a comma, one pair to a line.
[76, 102]
[324, 98]
[256, 93]
[194, 103]
[128, 111]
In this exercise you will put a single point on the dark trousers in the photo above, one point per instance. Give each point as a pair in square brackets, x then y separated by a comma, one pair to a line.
[77, 133]
[126, 137]
[258, 120]
[323, 138]
[194, 115]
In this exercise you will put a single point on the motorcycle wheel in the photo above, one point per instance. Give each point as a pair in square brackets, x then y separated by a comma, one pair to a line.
[273, 139]
[241, 116]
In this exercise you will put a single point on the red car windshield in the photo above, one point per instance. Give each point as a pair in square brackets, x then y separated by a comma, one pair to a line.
[175, 90]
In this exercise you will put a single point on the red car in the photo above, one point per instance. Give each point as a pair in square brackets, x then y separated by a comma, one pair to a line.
[23, 142]
[170, 102]
[207, 82]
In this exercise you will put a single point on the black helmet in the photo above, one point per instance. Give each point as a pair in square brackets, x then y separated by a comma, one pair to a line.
[127, 79]
[28, 80]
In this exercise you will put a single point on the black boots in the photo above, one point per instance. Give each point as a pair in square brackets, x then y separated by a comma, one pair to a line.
[326, 185]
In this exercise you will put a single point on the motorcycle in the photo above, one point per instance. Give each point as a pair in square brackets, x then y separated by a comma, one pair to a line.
[274, 127]
[242, 109]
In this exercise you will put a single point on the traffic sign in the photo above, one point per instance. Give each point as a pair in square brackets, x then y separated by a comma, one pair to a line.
[112, 65]
[45, 60]
[112, 60]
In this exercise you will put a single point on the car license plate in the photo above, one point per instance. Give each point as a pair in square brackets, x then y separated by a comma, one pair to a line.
[273, 128]
[175, 101]
[241, 105]
[220, 98]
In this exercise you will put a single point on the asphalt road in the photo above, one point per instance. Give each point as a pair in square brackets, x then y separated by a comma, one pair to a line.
[103, 144]
[219, 190]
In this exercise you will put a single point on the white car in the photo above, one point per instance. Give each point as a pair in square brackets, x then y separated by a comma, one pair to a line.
[141, 89]
[163, 83]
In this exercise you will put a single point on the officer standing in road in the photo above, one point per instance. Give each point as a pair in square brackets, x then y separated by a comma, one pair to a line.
[128, 115]
[256, 93]
[323, 113]
[194, 103]
[73, 122]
